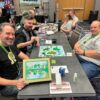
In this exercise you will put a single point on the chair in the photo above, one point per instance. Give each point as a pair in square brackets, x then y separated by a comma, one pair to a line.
[40, 18]
[73, 38]
[96, 84]
[3, 19]
[17, 19]
[93, 16]
[8, 98]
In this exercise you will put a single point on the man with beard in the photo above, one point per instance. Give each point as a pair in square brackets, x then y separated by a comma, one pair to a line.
[26, 39]
[10, 78]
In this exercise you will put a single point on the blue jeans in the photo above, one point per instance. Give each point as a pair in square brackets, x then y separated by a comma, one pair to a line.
[90, 68]
[11, 90]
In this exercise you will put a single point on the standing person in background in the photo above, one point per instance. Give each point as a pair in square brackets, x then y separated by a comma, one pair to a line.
[10, 76]
[32, 13]
[74, 17]
[67, 25]
[35, 23]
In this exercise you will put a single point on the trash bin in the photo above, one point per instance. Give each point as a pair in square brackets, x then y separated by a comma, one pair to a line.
[93, 16]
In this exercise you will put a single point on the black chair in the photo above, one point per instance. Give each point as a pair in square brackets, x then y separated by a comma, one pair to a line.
[17, 19]
[96, 84]
[40, 18]
[3, 19]
[93, 16]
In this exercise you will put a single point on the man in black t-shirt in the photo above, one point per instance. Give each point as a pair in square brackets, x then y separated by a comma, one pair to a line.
[25, 37]
[10, 80]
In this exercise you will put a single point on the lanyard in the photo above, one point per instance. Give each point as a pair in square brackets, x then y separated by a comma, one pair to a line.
[85, 41]
[4, 48]
[10, 54]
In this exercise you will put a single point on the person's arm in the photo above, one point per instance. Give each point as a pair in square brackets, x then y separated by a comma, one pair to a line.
[78, 49]
[88, 53]
[62, 26]
[67, 27]
[75, 20]
[92, 54]
[74, 23]
[20, 83]
[20, 40]
[65, 30]
[24, 44]
[23, 56]
[76, 45]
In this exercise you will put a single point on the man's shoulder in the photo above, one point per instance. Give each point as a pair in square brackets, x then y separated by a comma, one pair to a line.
[14, 49]
[19, 32]
[75, 18]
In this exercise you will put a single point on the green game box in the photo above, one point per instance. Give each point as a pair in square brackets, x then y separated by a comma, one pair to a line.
[36, 70]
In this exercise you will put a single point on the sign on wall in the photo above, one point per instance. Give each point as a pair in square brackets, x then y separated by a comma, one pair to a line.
[37, 2]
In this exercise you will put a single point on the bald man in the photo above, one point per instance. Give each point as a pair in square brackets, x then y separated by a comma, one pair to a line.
[88, 51]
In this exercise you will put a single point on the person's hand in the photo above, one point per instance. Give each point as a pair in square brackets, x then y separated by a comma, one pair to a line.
[20, 83]
[38, 43]
[77, 45]
[32, 39]
[33, 27]
[79, 51]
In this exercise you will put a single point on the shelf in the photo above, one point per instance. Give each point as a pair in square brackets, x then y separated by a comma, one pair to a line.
[73, 8]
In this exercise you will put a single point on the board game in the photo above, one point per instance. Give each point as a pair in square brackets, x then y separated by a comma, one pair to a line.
[49, 51]
[36, 70]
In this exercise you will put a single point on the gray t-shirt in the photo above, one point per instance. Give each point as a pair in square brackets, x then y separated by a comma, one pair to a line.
[68, 25]
[75, 18]
[88, 42]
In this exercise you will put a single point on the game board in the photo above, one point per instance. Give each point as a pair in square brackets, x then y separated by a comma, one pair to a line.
[49, 51]
[36, 70]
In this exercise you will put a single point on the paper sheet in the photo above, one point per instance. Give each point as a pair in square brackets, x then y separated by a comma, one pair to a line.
[64, 88]
[55, 69]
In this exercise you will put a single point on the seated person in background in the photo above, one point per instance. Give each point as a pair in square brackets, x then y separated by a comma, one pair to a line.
[32, 13]
[74, 17]
[10, 78]
[88, 51]
[67, 25]
[23, 15]
[25, 36]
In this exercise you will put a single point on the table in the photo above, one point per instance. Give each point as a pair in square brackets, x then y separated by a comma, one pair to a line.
[81, 87]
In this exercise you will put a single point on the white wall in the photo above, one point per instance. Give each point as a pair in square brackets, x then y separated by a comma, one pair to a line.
[51, 9]
[97, 7]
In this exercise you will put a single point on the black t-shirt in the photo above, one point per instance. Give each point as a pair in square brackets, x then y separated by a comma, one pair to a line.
[8, 70]
[21, 37]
